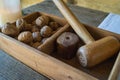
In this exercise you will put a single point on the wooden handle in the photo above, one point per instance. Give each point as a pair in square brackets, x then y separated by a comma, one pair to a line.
[116, 69]
[73, 21]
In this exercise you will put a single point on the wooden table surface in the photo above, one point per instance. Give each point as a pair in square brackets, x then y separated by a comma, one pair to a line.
[12, 69]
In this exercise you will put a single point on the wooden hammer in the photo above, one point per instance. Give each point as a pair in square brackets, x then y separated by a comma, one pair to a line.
[94, 52]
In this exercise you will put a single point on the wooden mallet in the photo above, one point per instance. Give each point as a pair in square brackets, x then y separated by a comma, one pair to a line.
[94, 52]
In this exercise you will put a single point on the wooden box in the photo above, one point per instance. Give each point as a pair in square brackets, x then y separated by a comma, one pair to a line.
[54, 67]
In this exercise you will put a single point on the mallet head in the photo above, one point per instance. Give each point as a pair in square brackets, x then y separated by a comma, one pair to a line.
[91, 54]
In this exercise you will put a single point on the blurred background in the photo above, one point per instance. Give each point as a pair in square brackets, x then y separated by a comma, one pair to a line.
[27, 3]
[102, 5]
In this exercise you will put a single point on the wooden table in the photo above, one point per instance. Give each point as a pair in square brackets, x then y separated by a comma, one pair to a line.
[12, 69]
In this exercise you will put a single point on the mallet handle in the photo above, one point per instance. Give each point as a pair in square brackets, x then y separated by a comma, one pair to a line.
[73, 21]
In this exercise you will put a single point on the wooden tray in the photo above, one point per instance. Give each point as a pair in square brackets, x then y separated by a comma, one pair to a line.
[53, 66]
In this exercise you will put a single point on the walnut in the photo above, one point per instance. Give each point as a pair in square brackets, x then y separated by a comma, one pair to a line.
[33, 23]
[27, 27]
[36, 44]
[41, 21]
[35, 29]
[46, 18]
[10, 29]
[25, 37]
[36, 36]
[46, 31]
[20, 23]
[54, 25]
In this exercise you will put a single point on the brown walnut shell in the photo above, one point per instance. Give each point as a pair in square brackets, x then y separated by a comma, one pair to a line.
[46, 19]
[10, 29]
[25, 37]
[35, 29]
[41, 21]
[27, 27]
[46, 31]
[20, 23]
[54, 25]
[36, 44]
[36, 37]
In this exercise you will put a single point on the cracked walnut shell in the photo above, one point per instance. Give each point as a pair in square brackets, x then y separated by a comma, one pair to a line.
[42, 20]
[46, 31]
[10, 30]
[36, 37]
[25, 37]
[54, 25]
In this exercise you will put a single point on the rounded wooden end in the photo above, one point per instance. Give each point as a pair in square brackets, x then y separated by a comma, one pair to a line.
[82, 57]
[98, 51]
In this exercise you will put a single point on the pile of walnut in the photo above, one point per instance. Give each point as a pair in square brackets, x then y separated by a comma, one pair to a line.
[33, 34]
